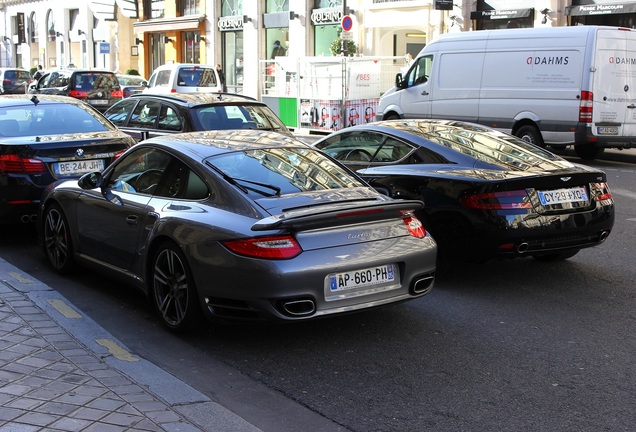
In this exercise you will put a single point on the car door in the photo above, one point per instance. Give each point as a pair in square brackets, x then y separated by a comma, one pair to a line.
[142, 121]
[417, 96]
[113, 220]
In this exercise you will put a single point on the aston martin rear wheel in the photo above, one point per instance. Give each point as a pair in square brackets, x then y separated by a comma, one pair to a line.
[58, 245]
[173, 291]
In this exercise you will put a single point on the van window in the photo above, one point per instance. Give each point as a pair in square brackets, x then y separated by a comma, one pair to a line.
[196, 77]
[420, 72]
[162, 79]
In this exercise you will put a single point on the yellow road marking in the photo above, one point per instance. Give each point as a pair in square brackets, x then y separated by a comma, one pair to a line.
[117, 351]
[64, 309]
[20, 277]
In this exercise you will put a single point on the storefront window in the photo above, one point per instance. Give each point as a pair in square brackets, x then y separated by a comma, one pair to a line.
[232, 7]
[158, 51]
[233, 60]
[277, 6]
[191, 48]
[325, 35]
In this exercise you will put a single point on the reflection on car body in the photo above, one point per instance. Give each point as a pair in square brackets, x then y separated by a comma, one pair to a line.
[487, 194]
[240, 224]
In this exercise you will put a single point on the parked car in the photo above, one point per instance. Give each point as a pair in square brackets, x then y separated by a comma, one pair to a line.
[46, 138]
[100, 89]
[146, 116]
[131, 84]
[487, 194]
[184, 78]
[14, 81]
[239, 224]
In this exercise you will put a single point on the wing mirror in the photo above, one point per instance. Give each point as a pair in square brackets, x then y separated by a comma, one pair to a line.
[90, 180]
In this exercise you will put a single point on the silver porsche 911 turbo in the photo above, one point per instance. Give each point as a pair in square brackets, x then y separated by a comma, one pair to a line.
[239, 224]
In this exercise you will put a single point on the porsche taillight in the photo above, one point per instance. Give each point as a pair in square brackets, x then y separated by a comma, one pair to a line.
[273, 247]
[414, 225]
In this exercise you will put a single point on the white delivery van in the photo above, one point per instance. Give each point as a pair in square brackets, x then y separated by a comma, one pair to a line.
[555, 86]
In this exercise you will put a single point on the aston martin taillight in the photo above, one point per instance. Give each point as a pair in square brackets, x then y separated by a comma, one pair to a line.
[600, 191]
[276, 247]
[508, 200]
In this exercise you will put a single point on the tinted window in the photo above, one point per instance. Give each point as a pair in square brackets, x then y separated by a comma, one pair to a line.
[57, 79]
[49, 119]
[87, 81]
[119, 113]
[221, 117]
[162, 79]
[265, 172]
[196, 77]
[168, 119]
[145, 115]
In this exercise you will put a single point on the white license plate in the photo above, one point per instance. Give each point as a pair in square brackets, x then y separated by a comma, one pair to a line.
[560, 196]
[607, 130]
[99, 102]
[78, 167]
[351, 280]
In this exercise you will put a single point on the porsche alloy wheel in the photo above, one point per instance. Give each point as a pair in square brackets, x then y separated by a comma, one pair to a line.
[57, 240]
[173, 292]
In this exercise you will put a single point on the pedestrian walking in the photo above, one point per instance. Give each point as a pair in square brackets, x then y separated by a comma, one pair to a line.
[219, 70]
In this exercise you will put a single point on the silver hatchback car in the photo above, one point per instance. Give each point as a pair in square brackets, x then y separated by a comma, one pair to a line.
[240, 224]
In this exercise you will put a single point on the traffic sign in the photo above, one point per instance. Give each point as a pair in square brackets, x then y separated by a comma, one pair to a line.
[347, 23]
[346, 36]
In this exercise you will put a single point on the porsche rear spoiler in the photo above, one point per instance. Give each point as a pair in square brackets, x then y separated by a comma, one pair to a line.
[336, 214]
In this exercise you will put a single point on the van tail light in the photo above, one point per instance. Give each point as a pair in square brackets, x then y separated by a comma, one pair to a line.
[274, 247]
[12, 163]
[117, 94]
[173, 90]
[415, 227]
[585, 107]
[78, 94]
[600, 191]
[508, 200]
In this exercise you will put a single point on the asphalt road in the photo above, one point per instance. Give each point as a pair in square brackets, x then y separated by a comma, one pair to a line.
[500, 346]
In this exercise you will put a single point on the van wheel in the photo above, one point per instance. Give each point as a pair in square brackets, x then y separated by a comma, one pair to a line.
[530, 134]
[588, 151]
[391, 116]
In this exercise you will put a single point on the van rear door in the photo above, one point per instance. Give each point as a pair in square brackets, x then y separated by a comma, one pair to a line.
[614, 84]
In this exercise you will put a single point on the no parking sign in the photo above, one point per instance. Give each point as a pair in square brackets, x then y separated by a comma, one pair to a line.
[346, 23]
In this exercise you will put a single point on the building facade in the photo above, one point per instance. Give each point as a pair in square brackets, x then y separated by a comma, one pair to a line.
[239, 35]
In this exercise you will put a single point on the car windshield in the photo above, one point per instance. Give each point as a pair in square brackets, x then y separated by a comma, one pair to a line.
[279, 171]
[221, 117]
[131, 80]
[49, 119]
[196, 77]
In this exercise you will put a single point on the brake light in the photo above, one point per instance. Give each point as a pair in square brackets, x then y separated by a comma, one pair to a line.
[585, 107]
[276, 247]
[509, 200]
[12, 163]
[600, 191]
[415, 227]
[173, 90]
[78, 94]
[116, 94]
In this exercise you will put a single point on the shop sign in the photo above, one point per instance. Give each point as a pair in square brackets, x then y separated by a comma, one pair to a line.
[443, 4]
[230, 23]
[600, 9]
[326, 16]
[501, 14]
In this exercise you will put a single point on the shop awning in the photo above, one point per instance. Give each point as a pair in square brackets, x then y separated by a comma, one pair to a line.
[105, 9]
[600, 9]
[501, 14]
[188, 22]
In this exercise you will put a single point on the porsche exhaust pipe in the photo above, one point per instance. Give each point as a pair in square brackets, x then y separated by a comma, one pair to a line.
[299, 308]
[603, 236]
[523, 247]
[422, 285]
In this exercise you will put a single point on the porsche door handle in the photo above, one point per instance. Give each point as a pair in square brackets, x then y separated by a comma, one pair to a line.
[132, 220]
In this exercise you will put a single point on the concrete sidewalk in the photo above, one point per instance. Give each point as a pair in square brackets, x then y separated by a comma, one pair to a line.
[61, 371]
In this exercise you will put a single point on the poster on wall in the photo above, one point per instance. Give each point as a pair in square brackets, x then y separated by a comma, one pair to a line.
[360, 111]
